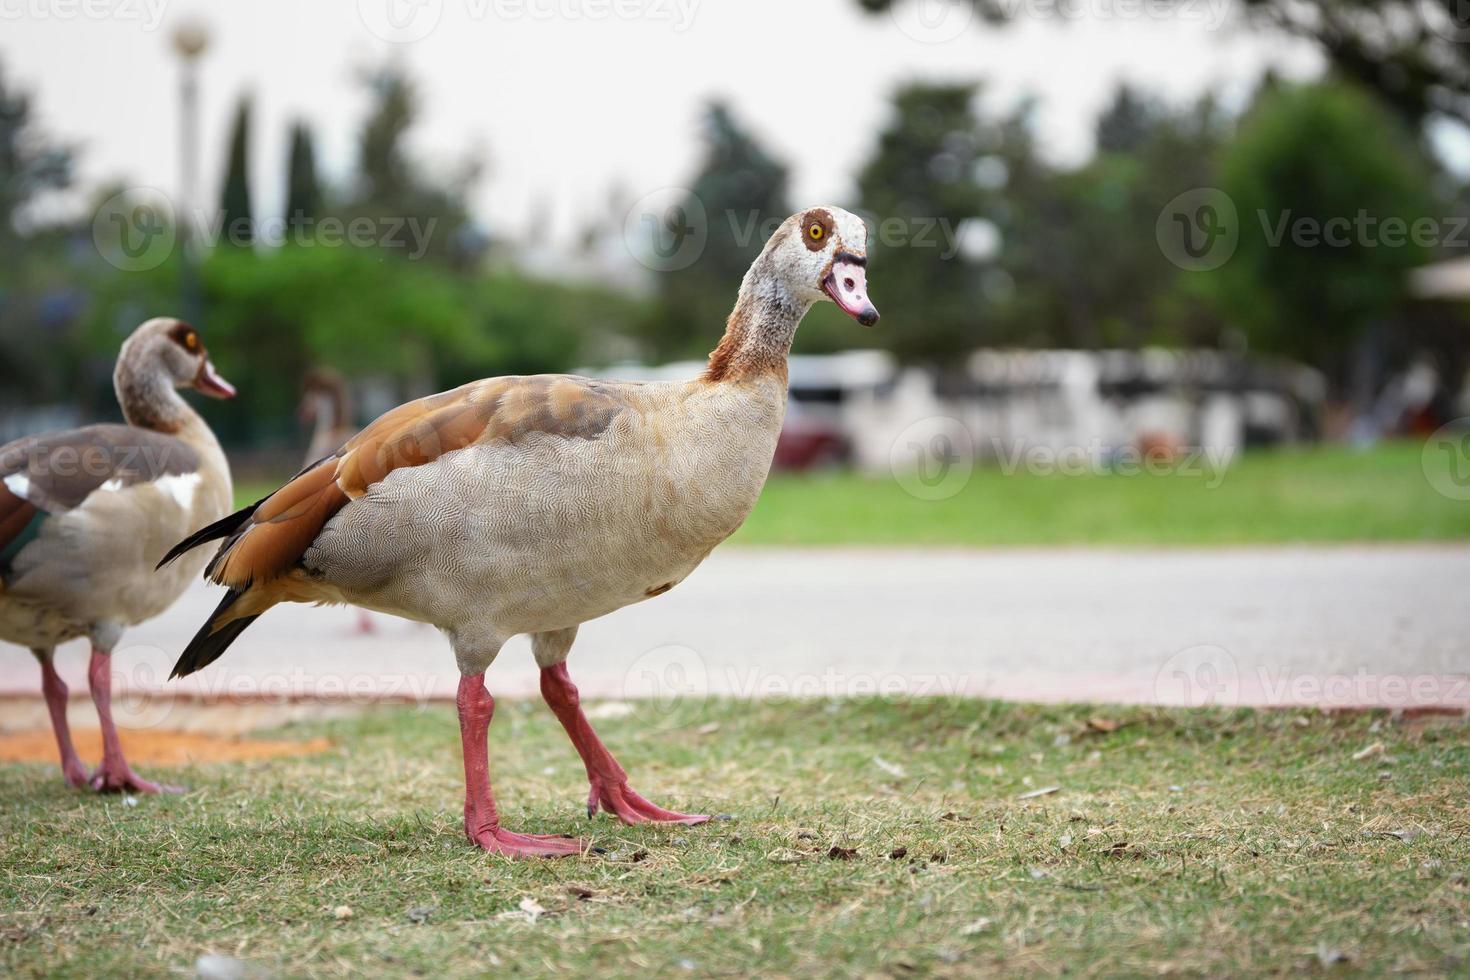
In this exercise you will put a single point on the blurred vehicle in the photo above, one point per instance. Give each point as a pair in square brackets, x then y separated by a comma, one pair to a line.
[809, 441]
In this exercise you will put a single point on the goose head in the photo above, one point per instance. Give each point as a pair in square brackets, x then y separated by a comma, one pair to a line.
[171, 351]
[323, 398]
[822, 254]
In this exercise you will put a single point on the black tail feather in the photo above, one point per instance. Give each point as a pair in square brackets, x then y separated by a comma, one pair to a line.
[209, 644]
[221, 528]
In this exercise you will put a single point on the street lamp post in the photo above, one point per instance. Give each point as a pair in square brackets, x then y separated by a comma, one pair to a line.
[189, 41]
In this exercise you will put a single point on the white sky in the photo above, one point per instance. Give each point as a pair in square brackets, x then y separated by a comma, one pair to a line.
[567, 100]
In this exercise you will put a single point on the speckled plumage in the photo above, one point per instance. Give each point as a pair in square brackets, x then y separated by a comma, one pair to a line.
[533, 504]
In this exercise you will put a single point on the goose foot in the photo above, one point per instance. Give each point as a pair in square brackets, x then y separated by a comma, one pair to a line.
[481, 820]
[365, 624]
[75, 774]
[122, 779]
[609, 783]
[618, 799]
[500, 841]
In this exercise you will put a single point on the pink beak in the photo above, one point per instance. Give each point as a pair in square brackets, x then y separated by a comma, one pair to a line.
[208, 382]
[847, 284]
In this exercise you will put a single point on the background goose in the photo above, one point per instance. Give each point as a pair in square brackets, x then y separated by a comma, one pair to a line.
[327, 408]
[85, 514]
[533, 504]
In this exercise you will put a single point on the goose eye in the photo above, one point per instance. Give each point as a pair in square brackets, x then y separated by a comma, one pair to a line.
[191, 341]
[815, 232]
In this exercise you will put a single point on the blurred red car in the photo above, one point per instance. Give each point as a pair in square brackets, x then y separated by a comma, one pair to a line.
[809, 441]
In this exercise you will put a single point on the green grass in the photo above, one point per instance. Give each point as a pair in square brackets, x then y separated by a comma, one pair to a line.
[1191, 842]
[1320, 494]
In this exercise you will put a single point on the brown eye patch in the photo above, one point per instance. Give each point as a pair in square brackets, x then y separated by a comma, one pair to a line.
[186, 337]
[816, 229]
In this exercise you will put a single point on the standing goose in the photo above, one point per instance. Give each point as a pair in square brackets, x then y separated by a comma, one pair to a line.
[326, 408]
[85, 514]
[533, 504]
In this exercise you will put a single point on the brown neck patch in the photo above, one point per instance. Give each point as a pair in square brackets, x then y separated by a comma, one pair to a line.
[758, 334]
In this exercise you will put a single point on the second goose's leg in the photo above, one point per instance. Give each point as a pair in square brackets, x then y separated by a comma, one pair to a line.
[54, 688]
[610, 789]
[114, 774]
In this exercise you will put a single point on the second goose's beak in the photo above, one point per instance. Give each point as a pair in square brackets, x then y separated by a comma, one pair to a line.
[847, 284]
[208, 382]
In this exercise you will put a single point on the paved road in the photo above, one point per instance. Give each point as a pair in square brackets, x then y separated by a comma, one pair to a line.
[1337, 625]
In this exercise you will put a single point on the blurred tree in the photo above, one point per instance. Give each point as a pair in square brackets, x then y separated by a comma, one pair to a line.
[740, 188]
[1320, 175]
[303, 190]
[1080, 261]
[30, 163]
[36, 298]
[918, 190]
[238, 223]
[1127, 122]
[392, 190]
[1412, 53]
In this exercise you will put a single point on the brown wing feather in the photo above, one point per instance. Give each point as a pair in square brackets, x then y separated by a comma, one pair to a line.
[280, 530]
[284, 526]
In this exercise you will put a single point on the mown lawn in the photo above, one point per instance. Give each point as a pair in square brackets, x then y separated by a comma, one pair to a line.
[1317, 494]
[870, 838]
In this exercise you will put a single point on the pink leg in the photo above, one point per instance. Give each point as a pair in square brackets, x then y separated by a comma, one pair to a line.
[55, 691]
[365, 624]
[481, 821]
[609, 782]
[114, 774]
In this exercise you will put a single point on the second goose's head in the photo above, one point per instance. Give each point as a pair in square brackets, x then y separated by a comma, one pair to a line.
[163, 354]
[822, 254]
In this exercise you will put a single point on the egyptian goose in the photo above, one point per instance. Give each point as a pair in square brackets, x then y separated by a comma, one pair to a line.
[85, 514]
[326, 408]
[533, 504]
